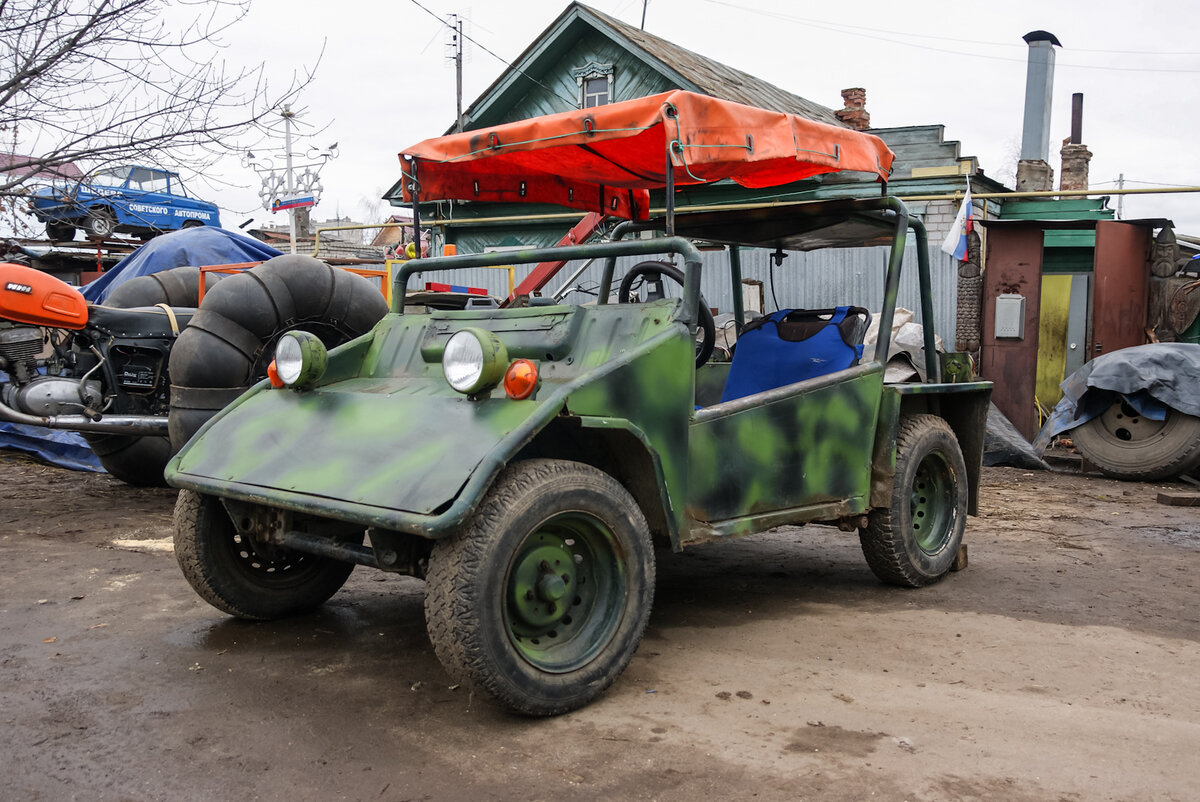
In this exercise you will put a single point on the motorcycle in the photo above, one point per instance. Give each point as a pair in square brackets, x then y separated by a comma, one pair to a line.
[138, 375]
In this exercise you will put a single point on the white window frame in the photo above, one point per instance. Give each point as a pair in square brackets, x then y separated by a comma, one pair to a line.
[591, 71]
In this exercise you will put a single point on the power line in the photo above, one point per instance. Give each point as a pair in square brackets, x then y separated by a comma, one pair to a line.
[570, 101]
[870, 33]
[1147, 183]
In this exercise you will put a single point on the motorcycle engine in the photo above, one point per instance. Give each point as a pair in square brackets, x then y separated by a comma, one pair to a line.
[19, 349]
[51, 395]
[28, 391]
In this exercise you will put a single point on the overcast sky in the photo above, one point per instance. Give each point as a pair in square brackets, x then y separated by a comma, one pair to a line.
[384, 81]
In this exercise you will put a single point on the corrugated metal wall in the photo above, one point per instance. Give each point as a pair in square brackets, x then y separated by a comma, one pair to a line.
[809, 280]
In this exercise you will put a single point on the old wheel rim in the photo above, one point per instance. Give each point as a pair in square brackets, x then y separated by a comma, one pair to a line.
[564, 593]
[932, 504]
[102, 225]
[1121, 423]
[268, 566]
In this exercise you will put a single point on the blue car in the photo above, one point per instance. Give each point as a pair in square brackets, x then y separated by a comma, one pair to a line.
[143, 201]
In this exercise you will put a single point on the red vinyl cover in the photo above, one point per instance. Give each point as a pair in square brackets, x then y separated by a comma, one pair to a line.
[606, 159]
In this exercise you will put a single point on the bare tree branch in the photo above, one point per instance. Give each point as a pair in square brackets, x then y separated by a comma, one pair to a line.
[125, 80]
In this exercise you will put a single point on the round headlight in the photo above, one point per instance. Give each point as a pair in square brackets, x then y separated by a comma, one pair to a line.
[474, 361]
[300, 358]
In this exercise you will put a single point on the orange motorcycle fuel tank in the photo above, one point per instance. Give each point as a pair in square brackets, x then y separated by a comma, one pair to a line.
[33, 297]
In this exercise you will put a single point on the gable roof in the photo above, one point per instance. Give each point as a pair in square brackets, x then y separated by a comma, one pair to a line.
[690, 71]
[28, 165]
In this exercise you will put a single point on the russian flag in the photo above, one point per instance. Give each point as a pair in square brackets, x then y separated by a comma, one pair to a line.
[955, 243]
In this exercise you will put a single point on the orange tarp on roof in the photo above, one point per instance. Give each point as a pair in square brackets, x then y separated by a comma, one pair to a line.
[606, 159]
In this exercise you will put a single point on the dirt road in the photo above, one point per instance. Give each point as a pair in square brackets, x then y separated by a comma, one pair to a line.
[1062, 664]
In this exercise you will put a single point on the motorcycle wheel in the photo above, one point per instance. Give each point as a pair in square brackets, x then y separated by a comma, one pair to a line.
[137, 461]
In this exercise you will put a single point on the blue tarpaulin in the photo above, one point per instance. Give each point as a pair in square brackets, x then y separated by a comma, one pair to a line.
[189, 247]
[58, 447]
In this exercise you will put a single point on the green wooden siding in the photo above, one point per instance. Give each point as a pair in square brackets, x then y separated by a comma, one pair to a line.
[632, 78]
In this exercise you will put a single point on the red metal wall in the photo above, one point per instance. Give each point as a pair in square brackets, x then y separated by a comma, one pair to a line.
[1014, 265]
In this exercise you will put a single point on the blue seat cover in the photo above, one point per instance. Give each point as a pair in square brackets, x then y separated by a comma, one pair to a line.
[763, 359]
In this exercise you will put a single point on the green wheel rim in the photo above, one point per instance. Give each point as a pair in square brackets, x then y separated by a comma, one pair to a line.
[564, 592]
[932, 504]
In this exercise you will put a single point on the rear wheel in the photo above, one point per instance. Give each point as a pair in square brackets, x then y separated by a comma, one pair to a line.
[101, 223]
[240, 576]
[541, 599]
[915, 539]
[1125, 444]
[137, 461]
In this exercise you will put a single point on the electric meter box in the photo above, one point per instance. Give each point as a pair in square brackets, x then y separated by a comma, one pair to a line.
[1010, 316]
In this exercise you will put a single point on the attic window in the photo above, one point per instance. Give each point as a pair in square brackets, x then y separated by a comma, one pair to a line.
[595, 82]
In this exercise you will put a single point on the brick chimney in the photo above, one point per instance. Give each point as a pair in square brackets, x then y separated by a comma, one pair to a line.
[1075, 156]
[1075, 161]
[855, 113]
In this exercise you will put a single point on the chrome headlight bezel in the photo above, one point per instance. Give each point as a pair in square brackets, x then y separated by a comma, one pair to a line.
[300, 359]
[474, 361]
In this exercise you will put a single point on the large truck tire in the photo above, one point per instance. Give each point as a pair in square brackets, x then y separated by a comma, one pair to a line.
[230, 341]
[1125, 444]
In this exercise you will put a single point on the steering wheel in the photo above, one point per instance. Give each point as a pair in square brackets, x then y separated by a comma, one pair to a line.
[653, 273]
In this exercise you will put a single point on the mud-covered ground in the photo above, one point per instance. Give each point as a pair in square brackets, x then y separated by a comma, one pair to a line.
[1062, 664]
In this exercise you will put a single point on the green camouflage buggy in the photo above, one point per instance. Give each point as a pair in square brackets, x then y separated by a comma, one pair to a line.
[527, 460]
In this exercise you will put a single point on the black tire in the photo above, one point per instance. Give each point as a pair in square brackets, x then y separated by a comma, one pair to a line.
[243, 578]
[914, 541]
[707, 325]
[191, 224]
[101, 223]
[60, 232]
[230, 341]
[177, 287]
[137, 461]
[548, 530]
[1126, 445]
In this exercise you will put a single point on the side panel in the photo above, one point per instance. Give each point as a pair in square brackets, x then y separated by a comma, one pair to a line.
[800, 446]
[654, 393]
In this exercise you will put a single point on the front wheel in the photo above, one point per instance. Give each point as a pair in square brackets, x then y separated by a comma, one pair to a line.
[60, 232]
[541, 599]
[242, 577]
[914, 540]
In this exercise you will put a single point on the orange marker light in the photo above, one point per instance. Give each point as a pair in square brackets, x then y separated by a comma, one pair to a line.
[520, 380]
[273, 375]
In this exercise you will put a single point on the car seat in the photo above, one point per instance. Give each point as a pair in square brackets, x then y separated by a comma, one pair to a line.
[792, 345]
